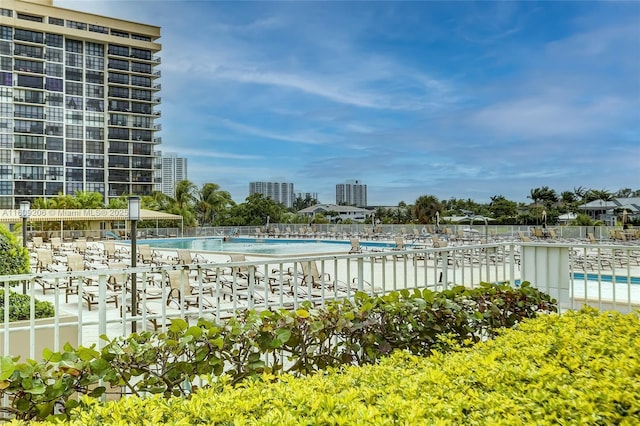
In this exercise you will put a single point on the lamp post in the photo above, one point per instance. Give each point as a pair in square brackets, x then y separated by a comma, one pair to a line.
[134, 216]
[25, 206]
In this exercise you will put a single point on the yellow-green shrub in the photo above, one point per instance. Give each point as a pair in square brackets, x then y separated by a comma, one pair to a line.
[578, 368]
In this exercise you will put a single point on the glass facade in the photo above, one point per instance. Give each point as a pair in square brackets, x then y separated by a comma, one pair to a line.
[78, 105]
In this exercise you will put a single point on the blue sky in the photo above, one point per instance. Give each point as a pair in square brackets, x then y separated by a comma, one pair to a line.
[452, 99]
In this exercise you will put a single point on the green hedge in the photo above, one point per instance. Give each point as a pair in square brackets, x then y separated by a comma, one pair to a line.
[14, 259]
[299, 342]
[579, 368]
[20, 307]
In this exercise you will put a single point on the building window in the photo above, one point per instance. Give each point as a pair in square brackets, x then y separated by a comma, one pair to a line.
[136, 80]
[140, 37]
[29, 51]
[119, 92]
[6, 79]
[29, 17]
[73, 74]
[76, 25]
[55, 158]
[6, 12]
[119, 64]
[94, 63]
[26, 35]
[95, 49]
[55, 99]
[98, 29]
[54, 144]
[28, 111]
[73, 88]
[54, 114]
[94, 91]
[119, 33]
[28, 66]
[5, 63]
[73, 46]
[122, 134]
[94, 147]
[140, 94]
[118, 50]
[141, 53]
[6, 33]
[53, 55]
[118, 78]
[73, 102]
[54, 70]
[30, 81]
[54, 40]
[53, 130]
[74, 132]
[56, 21]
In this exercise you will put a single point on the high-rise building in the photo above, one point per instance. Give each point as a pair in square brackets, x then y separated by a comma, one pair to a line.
[172, 169]
[352, 193]
[281, 192]
[79, 100]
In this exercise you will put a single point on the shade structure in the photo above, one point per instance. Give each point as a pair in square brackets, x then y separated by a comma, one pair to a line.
[471, 219]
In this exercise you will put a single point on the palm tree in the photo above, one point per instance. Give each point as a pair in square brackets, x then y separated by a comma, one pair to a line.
[185, 193]
[211, 201]
[89, 200]
[425, 208]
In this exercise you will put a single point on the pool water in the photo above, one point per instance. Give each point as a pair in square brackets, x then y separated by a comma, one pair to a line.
[260, 246]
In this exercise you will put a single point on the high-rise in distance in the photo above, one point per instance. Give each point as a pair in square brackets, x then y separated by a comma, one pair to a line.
[79, 99]
[172, 169]
[280, 192]
[352, 193]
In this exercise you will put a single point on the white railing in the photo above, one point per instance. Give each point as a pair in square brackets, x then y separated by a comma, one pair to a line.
[100, 299]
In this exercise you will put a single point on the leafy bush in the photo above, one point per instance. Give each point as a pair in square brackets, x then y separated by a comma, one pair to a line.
[19, 307]
[14, 259]
[254, 343]
[577, 368]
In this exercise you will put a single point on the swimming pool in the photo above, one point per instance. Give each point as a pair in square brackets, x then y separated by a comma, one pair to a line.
[606, 278]
[278, 246]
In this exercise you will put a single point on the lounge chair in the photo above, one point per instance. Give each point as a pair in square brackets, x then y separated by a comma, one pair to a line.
[399, 244]
[180, 280]
[355, 246]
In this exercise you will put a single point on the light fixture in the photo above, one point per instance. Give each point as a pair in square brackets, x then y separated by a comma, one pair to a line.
[25, 208]
[134, 208]
[134, 216]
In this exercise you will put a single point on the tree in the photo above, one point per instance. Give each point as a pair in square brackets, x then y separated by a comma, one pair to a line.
[254, 211]
[185, 194]
[425, 208]
[302, 203]
[212, 202]
[88, 200]
[501, 208]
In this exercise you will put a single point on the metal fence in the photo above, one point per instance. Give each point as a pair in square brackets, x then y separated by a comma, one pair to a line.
[103, 296]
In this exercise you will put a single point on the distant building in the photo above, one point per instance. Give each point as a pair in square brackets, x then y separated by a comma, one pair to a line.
[172, 169]
[610, 211]
[281, 192]
[304, 195]
[352, 193]
[355, 214]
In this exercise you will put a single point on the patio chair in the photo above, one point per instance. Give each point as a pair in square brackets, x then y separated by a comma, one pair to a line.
[355, 246]
[148, 256]
[399, 244]
[180, 280]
